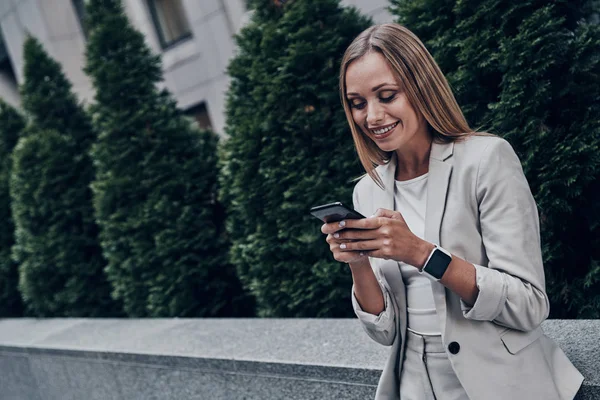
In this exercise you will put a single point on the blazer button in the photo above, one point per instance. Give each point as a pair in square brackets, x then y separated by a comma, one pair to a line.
[454, 348]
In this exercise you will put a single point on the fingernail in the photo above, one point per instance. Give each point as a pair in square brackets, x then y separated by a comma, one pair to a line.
[342, 246]
[342, 223]
[336, 235]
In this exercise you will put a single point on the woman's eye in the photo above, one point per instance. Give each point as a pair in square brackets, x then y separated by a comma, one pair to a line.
[358, 106]
[388, 99]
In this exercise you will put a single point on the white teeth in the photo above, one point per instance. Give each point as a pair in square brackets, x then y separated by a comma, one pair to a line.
[384, 130]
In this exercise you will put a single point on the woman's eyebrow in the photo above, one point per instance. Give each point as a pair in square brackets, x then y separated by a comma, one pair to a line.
[382, 85]
[374, 89]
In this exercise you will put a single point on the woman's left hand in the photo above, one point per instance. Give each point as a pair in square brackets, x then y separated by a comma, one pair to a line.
[385, 235]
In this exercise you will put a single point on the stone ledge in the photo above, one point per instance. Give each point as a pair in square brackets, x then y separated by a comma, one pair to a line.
[218, 358]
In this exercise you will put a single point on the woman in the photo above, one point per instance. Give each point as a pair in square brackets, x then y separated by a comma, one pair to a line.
[448, 269]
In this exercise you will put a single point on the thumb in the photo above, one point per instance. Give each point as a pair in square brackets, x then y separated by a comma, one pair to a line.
[382, 212]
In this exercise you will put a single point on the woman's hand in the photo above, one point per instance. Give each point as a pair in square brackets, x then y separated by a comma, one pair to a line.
[331, 230]
[383, 235]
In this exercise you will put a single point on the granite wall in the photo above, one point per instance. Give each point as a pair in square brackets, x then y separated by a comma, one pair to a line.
[218, 358]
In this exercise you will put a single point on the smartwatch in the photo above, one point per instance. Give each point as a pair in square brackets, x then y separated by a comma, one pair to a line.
[436, 264]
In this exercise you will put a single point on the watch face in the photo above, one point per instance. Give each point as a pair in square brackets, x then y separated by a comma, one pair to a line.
[438, 263]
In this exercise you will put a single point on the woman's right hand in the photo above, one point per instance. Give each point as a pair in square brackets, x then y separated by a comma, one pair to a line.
[367, 291]
[348, 257]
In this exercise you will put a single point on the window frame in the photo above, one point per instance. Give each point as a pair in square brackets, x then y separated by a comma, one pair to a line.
[200, 108]
[80, 13]
[4, 54]
[159, 29]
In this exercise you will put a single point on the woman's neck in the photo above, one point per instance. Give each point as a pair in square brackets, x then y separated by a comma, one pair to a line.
[413, 161]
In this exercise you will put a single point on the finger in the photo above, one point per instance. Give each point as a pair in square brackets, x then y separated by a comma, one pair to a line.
[380, 253]
[331, 239]
[348, 257]
[376, 254]
[384, 213]
[364, 223]
[360, 258]
[362, 245]
[332, 227]
[355, 234]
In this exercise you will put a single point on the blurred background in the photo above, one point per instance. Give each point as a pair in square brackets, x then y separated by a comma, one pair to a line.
[194, 37]
[159, 157]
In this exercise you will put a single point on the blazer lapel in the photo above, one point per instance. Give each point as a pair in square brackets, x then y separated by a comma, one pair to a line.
[387, 172]
[437, 189]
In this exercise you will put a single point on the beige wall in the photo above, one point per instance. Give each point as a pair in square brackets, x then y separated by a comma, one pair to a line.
[55, 24]
[194, 70]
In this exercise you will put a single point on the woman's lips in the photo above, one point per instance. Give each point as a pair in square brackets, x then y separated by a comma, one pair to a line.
[385, 135]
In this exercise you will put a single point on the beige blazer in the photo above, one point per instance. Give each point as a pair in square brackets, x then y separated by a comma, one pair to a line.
[480, 208]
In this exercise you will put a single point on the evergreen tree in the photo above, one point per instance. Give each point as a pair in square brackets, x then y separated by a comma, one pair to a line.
[530, 71]
[289, 148]
[11, 126]
[155, 190]
[57, 247]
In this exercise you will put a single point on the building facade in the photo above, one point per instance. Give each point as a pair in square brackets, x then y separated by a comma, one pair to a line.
[194, 38]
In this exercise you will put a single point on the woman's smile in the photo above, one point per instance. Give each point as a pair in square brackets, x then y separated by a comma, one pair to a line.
[383, 132]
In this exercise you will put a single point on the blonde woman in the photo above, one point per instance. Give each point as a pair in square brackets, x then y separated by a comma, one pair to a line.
[448, 269]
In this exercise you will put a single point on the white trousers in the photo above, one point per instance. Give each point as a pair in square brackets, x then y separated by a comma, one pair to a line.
[426, 371]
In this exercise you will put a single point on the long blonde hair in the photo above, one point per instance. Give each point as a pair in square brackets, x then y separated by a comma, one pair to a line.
[425, 86]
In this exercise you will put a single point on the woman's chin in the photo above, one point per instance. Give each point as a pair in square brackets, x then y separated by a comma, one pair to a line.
[387, 146]
[388, 143]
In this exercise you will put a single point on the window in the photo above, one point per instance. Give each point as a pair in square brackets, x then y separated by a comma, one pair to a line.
[200, 114]
[9, 88]
[170, 21]
[79, 6]
[4, 59]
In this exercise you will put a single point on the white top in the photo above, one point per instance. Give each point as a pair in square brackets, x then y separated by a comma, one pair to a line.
[410, 199]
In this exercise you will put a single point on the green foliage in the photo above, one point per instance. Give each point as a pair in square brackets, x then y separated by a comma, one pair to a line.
[289, 148]
[57, 248]
[60, 273]
[11, 125]
[530, 71]
[155, 189]
[48, 97]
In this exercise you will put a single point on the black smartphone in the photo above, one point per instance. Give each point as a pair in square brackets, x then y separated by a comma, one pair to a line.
[334, 212]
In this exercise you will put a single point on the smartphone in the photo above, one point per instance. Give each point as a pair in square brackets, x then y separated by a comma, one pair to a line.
[334, 212]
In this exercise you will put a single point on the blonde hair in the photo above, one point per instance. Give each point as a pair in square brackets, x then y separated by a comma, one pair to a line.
[425, 86]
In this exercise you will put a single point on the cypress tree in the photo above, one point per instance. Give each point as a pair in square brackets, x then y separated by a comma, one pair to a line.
[530, 71]
[11, 126]
[289, 148]
[57, 247]
[155, 189]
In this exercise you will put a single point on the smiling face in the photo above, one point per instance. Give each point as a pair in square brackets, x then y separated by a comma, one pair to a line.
[380, 107]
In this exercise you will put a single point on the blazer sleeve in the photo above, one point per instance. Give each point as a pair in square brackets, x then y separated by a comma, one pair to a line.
[381, 328]
[512, 289]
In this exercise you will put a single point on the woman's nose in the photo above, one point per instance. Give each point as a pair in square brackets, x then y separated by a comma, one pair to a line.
[374, 115]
